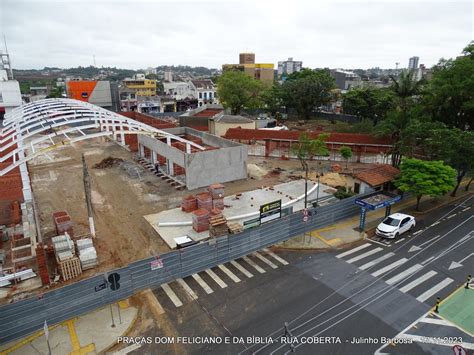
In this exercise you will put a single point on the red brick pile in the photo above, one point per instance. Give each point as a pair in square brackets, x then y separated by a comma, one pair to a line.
[204, 201]
[217, 194]
[201, 220]
[42, 264]
[189, 204]
[63, 223]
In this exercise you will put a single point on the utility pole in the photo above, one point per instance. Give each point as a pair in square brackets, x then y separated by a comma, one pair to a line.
[87, 192]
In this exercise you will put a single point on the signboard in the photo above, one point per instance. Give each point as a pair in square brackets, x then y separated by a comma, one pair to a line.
[305, 215]
[101, 286]
[156, 264]
[46, 330]
[270, 211]
[251, 223]
[114, 279]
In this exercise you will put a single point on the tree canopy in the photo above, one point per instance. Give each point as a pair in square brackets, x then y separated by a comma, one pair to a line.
[368, 103]
[307, 90]
[237, 90]
[422, 178]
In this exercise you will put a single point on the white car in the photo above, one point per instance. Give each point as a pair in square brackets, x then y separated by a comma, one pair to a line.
[395, 224]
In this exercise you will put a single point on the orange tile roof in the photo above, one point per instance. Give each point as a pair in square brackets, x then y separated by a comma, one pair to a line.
[377, 174]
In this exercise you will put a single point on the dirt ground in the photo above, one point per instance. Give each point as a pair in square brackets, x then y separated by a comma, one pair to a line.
[119, 200]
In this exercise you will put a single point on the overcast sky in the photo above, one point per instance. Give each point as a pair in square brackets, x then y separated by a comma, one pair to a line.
[140, 34]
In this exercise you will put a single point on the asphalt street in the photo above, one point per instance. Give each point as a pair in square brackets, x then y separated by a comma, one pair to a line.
[347, 301]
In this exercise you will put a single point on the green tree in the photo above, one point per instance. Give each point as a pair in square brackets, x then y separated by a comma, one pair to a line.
[432, 178]
[307, 90]
[368, 103]
[346, 153]
[449, 97]
[306, 149]
[56, 92]
[272, 98]
[236, 90]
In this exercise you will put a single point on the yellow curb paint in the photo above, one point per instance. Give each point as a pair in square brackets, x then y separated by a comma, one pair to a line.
[73, 335]
[124, 304]
[25, 341]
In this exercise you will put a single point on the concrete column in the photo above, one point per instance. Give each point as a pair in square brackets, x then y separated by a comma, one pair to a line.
[168, 140]
[141, 150]
[154, 158]
[188, 148]
[169, 163]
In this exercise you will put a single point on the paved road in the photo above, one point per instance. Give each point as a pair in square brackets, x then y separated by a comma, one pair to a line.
[341, 302]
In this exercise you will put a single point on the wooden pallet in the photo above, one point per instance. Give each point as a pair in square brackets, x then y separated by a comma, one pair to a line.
[70, 268]
[235, 228]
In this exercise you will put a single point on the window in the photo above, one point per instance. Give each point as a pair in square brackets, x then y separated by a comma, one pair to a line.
[1, 97]
[200, 95]
[205, 96]
[210, 96]
[405, 221]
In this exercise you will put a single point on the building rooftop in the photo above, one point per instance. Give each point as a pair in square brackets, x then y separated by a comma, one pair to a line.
[203, 84]
[377, 174]
[231, 119]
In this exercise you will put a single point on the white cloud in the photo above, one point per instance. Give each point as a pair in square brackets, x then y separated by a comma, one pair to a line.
[139, 34]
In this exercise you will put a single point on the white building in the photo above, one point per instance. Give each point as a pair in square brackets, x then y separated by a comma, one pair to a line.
[205, 91]
[179, 90]
[10, 94]
[168, 76]
[288, 67]
[413, 63]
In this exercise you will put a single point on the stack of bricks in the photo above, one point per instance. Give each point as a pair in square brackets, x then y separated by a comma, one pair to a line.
[63, 223]
[42, 266]
[204, 200]
[15, 213]
[217, 194]
[217, 225]
[201, 220]
[189, 204]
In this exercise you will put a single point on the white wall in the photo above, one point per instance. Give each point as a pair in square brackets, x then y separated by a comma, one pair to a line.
[10, 94]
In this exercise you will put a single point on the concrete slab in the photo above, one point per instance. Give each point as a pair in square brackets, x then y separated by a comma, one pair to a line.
[246, 203]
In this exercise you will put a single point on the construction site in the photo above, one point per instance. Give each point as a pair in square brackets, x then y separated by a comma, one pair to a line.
[85, 191]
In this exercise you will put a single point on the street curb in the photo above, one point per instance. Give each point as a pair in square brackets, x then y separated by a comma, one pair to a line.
[454, 199]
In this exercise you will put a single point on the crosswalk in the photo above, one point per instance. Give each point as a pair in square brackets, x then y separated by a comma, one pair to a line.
[221, 277]
[407, 275]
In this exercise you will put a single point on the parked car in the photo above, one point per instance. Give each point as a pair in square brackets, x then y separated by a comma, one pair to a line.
[395, 224]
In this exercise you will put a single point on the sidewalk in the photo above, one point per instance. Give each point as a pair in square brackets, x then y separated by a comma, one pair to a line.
[88, 334]
[459, 308]
[345, 232]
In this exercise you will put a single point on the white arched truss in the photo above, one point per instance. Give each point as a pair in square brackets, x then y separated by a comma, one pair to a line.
[59, 122]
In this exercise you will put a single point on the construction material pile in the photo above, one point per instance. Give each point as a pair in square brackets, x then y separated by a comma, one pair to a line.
[63, 223]
[189, 204]
[217, 193]
[234, 228]
[201, 220]
[69, 264]
[87, 253]
[108, 163]
[217, 224]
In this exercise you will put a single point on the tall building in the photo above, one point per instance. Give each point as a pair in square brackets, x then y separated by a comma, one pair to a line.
[413, 63]
[288, 67]
[259, 71]
[345, 79]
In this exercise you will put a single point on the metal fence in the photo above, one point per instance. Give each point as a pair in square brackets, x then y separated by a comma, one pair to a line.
[26, 316]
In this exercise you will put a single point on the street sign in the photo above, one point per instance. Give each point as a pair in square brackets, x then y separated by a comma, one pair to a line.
[114, 279]
[270, 211]
[305, 215]
[156, 264]
[101, 286]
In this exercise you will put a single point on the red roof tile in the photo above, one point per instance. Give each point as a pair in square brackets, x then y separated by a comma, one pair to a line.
[377, 174]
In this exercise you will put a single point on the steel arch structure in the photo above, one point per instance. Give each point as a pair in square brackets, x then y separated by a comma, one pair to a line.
[35, 128]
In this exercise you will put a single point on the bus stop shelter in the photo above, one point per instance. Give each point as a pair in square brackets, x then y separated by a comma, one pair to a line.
[375, 201]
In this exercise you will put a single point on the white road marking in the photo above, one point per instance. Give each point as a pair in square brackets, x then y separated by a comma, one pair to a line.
[453, 215]
[202, 283]
[418, 232]
[437, 321]
[265, 260]
[216, 278]
[170, 293]
[241, 269]
[366, 254]
[376, 261]
[418, 281]
[400, 240]
[402, 275]
[188, 289]
[467, 208]
[389, 267]
[388, 245]
[427, 260]
[423, 339]
[278, 258]
[255, 266]
[432, 291]
[128, 349]
[229, 273]
[435, 223]
[363, 246]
